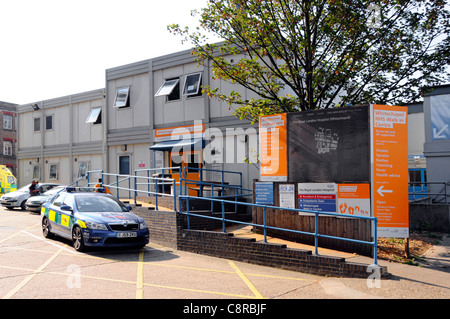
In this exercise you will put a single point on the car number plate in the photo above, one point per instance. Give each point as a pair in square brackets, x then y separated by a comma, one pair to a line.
[127, 234]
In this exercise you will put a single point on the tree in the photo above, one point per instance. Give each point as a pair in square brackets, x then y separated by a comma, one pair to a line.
[325, 53]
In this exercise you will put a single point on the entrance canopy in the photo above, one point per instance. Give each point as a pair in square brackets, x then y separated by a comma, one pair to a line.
[195, 143]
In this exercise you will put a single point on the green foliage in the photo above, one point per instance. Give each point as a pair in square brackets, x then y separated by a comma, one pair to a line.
[325, 53]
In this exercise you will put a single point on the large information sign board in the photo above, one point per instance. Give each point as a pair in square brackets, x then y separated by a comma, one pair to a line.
[273, 152]
[330, 145]
[389, 189]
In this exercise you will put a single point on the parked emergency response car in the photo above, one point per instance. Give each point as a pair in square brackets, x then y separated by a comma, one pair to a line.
[92, 219]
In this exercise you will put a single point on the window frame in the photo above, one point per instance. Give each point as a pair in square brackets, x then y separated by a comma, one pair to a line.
[83, 167]
[50, 176]
[46, 122]
[36, 128]
[122, 102]
[6, 148]
[36, 172]
[170, 90]
[197, 84]
[95, 119]
[7, 122]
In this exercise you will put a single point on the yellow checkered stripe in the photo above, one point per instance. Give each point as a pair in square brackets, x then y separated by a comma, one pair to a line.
[65, 220]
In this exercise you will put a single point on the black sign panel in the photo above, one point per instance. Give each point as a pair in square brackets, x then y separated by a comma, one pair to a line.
[331, 145]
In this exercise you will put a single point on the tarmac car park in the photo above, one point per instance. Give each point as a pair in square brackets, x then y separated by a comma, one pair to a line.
[92, 219]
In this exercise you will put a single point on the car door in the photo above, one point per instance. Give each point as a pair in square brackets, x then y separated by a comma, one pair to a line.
[67, 217]
[54, 214]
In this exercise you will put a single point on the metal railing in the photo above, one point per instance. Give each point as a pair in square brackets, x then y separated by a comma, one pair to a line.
[152, 183]
[421, 191]
[134, 181]
[265, 227]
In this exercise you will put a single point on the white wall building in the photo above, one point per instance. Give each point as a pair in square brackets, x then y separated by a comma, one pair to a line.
[58, 140]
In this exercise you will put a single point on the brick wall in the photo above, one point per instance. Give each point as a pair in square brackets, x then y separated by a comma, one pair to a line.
[224, 245]
[8, 109]
[168, 228]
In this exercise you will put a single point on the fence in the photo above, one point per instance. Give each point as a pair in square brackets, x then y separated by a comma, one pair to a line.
[424, 191]
[265, 227]
[152, 183]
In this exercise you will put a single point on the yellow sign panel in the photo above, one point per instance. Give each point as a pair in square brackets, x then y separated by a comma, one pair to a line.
[65, 220]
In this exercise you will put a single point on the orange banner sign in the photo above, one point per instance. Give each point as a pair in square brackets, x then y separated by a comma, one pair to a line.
[389, 143]
[273, 151]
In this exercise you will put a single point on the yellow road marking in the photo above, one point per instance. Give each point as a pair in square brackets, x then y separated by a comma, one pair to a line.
[11, 217]
[15, 234]
[161, 264]
[31, 276]
[140, 276]
[245, 279]
[156, 286]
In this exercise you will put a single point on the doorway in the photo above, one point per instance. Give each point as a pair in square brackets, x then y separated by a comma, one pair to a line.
[191, 162]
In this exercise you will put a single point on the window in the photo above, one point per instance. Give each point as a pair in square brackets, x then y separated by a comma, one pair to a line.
[170, 89]
[7, 148]
[95, 116]
[122, 97]
[7, 122]
[124, 165]
[37, 124]
[36, 172]
[193, 163]
[11, 180]
[58, 200]
[53, 172]
[82, 169]
[49, 122]
[192, 85]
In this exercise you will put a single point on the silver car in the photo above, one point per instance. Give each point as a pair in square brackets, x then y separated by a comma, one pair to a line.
[19, 197]
[34, 203]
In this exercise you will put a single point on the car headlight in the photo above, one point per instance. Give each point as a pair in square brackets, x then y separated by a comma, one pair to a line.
[96, 226]
[142, 225]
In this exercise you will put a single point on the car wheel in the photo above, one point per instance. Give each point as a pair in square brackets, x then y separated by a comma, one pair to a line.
[22, 206]
[46, 228]
[77, 239]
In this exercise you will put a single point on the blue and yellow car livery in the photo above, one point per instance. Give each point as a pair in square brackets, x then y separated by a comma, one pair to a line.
[92, 219]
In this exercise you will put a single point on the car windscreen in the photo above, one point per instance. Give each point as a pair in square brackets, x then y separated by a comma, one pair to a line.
[24, 189]
[54, 190]
[91, 204]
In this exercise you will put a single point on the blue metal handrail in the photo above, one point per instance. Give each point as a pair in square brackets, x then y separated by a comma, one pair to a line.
[316, 234]
[169, 181]
[133, 179]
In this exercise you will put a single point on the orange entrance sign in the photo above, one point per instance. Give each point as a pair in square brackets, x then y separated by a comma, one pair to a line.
[389, 159]
[273, 147]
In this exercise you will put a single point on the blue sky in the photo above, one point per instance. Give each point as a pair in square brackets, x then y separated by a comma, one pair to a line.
[53, 48]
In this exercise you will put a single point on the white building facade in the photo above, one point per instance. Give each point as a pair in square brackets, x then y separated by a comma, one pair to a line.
[142, 104]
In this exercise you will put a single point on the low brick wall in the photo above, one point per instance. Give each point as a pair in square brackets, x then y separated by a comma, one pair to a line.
[168, 228]
[225, 245]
